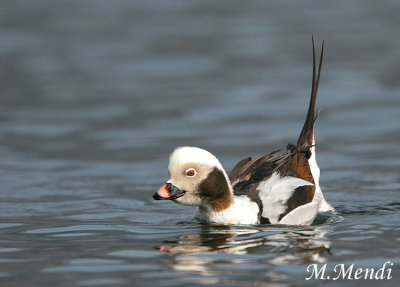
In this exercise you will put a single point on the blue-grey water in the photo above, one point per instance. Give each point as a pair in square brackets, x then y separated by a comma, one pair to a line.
[94, 95]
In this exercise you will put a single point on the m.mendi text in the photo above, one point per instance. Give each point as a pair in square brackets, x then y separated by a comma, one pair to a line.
[349, 272]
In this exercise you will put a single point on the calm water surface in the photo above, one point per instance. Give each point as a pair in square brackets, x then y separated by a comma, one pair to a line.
[94, 95]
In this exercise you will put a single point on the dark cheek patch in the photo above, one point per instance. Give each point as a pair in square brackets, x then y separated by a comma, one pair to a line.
[215, 190]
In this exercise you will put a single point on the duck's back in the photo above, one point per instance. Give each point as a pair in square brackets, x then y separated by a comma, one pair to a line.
[278, 185]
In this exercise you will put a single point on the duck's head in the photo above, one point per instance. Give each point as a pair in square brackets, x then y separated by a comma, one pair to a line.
[196, 177]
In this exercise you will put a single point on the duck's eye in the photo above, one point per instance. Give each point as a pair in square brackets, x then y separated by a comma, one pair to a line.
[190, 172]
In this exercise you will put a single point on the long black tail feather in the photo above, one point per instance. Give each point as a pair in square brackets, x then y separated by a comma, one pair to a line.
[307, 133]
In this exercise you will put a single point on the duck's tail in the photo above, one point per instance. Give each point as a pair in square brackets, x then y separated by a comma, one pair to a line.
[306, 138]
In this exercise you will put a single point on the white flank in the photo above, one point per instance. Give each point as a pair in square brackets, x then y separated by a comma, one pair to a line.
[275, 192]
[302, 215]
[241, 211]
[318, 197]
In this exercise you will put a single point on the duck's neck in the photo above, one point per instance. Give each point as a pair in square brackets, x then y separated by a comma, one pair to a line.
[217, 191]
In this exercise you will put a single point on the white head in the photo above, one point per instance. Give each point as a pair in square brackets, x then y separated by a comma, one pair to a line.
[196, 178]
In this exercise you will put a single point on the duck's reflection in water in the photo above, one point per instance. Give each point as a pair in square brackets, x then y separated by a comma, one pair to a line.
[256, 246]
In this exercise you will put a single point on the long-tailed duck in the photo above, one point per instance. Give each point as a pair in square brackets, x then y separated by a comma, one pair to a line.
[270, 189]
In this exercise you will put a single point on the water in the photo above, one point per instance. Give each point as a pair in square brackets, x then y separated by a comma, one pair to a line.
[94, 95]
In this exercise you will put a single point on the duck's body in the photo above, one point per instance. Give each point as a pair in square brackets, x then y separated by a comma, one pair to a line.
[268, 190]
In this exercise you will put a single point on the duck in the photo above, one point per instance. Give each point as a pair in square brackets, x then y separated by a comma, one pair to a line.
[269, 189]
